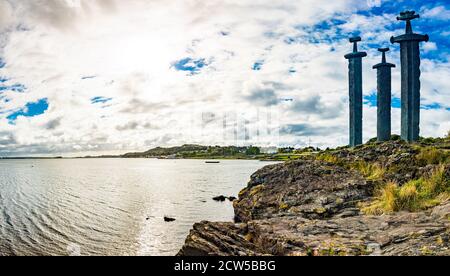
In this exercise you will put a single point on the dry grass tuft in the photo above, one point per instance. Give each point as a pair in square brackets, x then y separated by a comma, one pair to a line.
[415, 195]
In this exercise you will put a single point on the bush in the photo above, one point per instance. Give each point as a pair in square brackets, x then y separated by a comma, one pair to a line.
[428, 141]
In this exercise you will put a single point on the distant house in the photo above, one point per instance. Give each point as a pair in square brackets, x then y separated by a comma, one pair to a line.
[269, 150]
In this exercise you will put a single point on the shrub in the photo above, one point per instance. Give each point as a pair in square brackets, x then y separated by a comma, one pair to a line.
[428, 141]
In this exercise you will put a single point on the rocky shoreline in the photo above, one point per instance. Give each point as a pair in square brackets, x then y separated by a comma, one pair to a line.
[314, 206]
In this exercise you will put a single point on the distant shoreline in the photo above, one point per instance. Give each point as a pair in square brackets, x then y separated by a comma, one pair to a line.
[198, 152]
[154, 158]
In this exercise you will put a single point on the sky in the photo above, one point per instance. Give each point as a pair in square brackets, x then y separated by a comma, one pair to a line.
[82, 77]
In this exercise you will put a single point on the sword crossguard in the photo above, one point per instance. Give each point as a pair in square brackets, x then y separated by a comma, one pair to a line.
[384, 62]
[384, 51]
[408, 16]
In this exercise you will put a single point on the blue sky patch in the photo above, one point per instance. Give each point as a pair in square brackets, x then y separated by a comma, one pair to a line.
[396, 103]
[101, 100]
[431, 106]
[30, 110]
[372, 101]
[327, 31]
[190, 65]
[15, 87]
[436, 27]
[257, 66]
[2, 63]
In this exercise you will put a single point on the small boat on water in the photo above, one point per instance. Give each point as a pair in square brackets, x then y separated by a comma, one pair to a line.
[212, 162]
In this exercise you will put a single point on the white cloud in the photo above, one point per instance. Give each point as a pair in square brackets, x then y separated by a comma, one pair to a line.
[439, 13]
[127, 49]
[429, 47]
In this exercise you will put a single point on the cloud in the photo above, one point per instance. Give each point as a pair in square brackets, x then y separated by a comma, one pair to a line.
[53, 124]
[260, 94]
[6, 15]
[126, 75]
[6, 139]
[437, 13]
[128, 126]
[429, 47]
[308, 130]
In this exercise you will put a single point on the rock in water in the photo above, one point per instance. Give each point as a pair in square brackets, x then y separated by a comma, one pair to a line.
[168, 219]
[220, 198]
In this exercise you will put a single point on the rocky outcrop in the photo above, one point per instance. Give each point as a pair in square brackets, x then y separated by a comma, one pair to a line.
[410, 234]
[219, 239]
[305, 188]
[311, 207]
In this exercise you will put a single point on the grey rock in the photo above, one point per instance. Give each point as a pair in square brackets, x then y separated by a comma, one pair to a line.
[309, 207]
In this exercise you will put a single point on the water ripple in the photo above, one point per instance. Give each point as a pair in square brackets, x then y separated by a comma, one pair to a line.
[110, 206]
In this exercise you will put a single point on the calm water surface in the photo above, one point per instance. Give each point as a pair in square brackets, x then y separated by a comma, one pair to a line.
[111, 206]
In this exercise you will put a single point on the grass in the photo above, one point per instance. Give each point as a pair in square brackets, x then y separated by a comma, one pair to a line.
[432, 156]
[385, 202]
[326, 157]
[371, 171]
[414, 196]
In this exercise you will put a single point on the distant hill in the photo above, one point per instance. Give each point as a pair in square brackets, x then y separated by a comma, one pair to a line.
[164, 152]
[219, 152]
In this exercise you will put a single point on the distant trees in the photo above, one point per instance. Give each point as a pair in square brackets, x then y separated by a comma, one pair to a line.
[286, 150]
[307, 150]
[253, 151]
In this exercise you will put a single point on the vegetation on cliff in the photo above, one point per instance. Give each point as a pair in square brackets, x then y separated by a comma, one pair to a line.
[387, 198]
[410, 177]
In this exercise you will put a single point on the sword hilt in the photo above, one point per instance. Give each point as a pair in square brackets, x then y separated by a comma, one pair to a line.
[355, 41]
